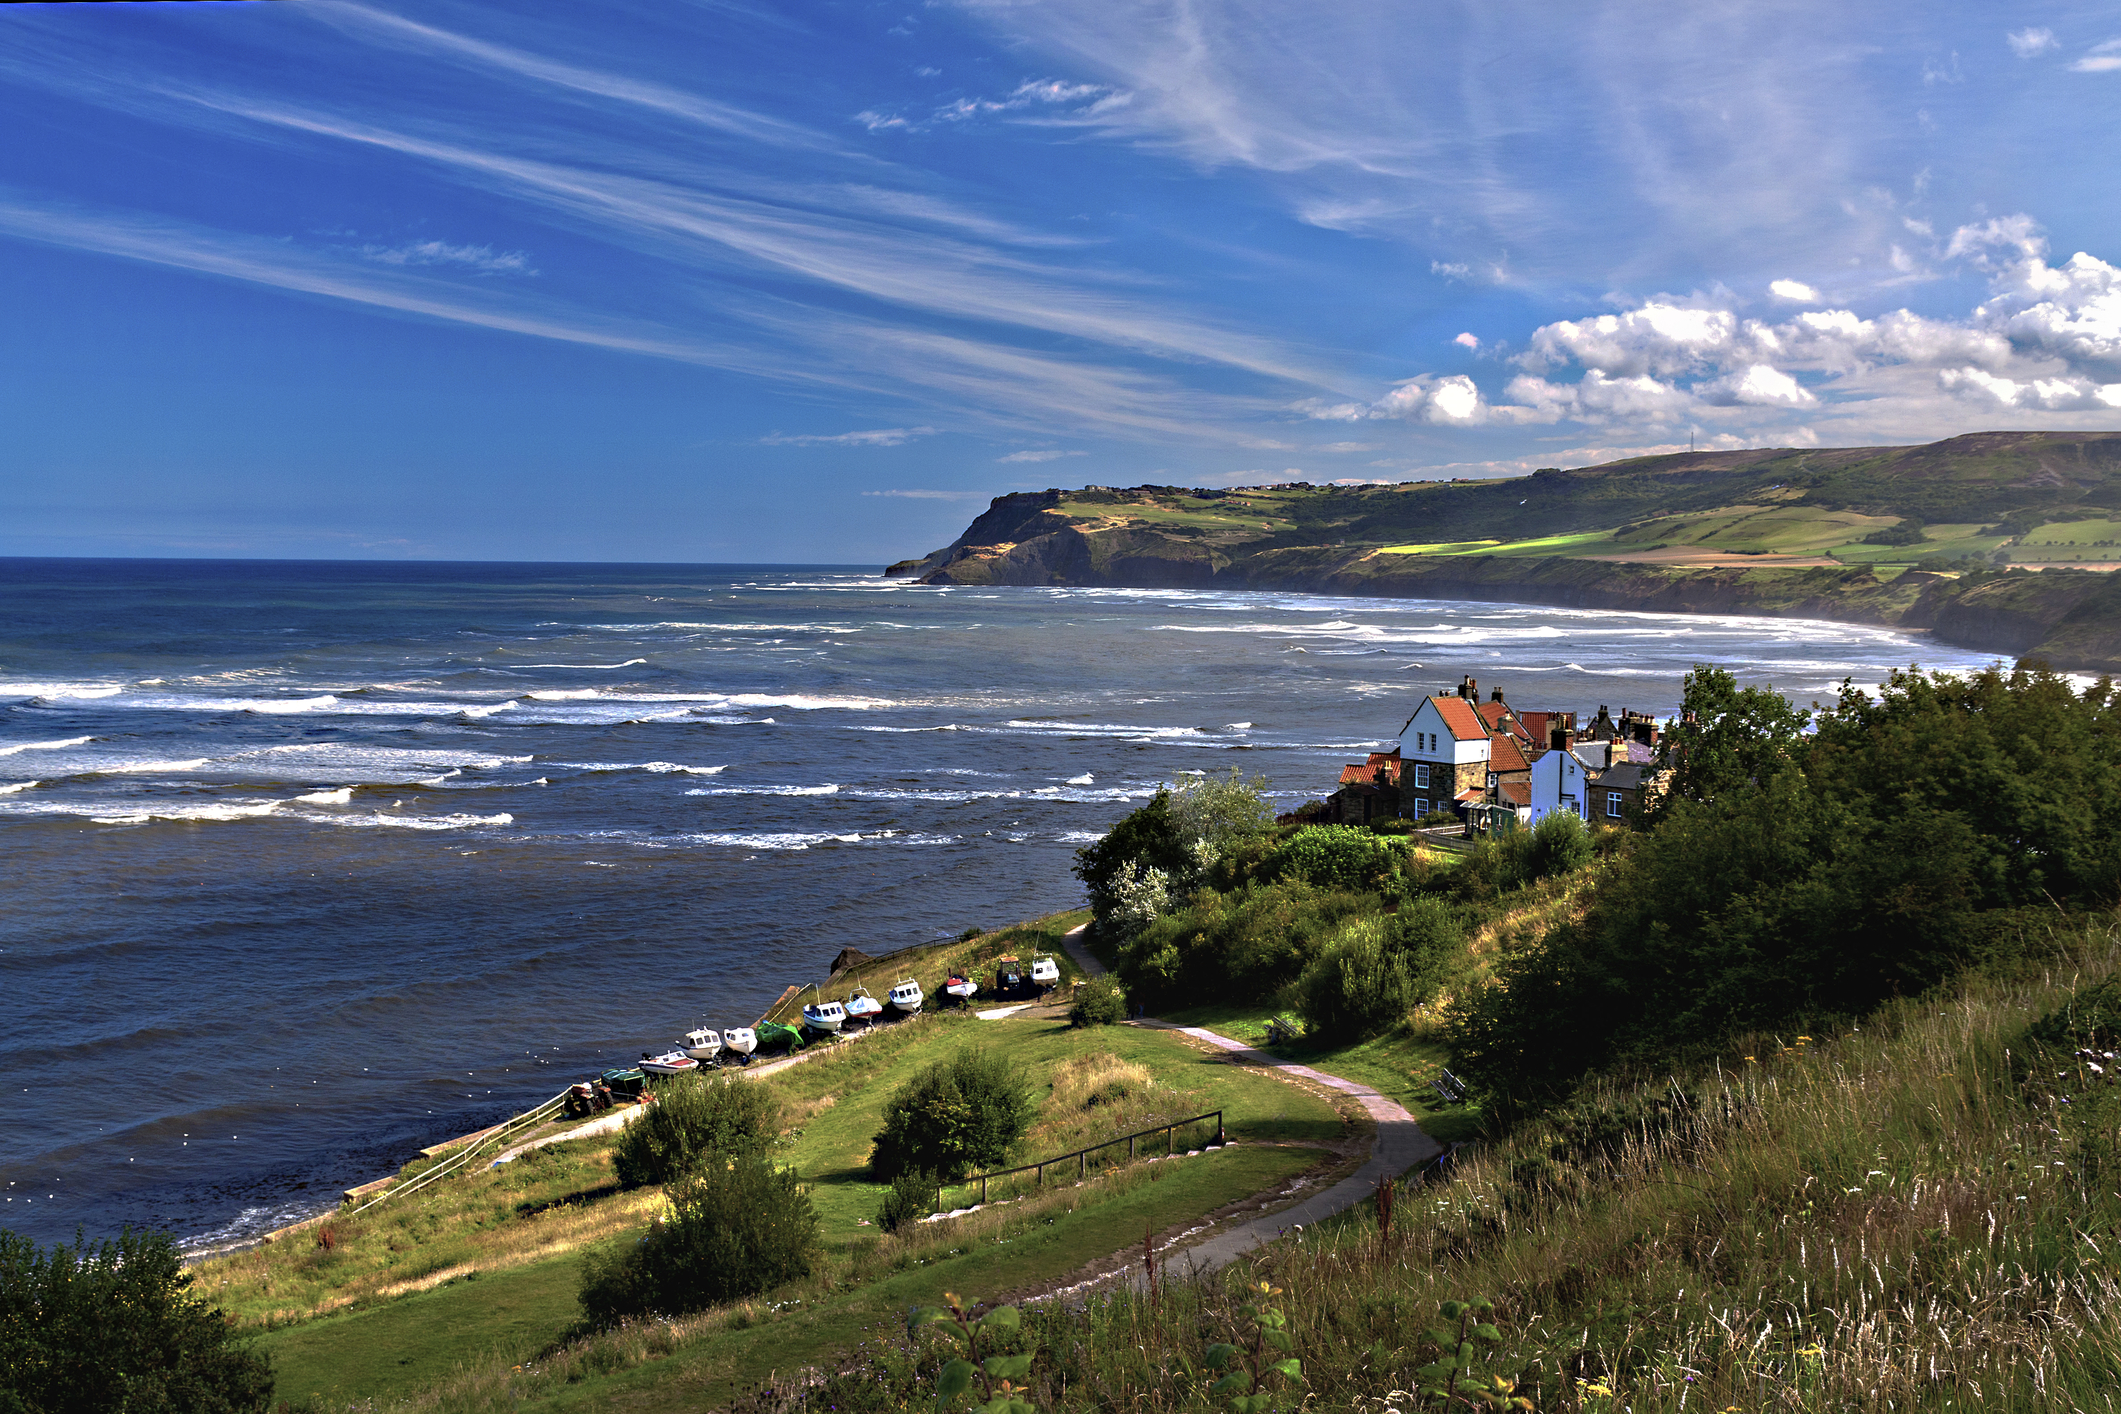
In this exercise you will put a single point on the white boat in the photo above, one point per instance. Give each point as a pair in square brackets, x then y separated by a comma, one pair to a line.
[1045, 972]
[703, 1045]
[742, 1040]
[668, 1063]
[962, 988]
[824, 1015]
[906, 997]
[863, 1007]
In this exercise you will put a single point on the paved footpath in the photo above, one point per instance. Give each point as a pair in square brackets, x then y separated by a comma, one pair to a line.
[1400, 1145]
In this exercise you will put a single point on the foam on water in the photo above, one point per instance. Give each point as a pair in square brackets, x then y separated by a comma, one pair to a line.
[45, 745]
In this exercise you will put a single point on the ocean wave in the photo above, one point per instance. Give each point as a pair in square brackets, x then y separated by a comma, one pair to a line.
[60, 691]
[1048, 728]
[18, 787]
[342, 796]
[414, 822]
[1080, 837]
[801, 701]
[220, 810]
[947, 727]
[45, 745]
[827, 789]
[478, 713]
[599, 667]
[801, 840]
[661, 768]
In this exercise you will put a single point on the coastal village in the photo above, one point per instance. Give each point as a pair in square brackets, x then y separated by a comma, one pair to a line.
[1488, 768]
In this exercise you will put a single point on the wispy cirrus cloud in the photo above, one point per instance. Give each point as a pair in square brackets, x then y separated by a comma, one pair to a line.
[915, 495]
[1040, 456]
[483, 259]
[2099, 59]
[876, 437]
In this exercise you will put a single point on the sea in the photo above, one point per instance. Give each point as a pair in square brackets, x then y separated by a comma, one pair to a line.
[304, 866]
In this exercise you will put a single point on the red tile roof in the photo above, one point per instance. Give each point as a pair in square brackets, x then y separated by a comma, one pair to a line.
[1458, 715]
[1515, 792]
[1353, 775]
[1504, 755]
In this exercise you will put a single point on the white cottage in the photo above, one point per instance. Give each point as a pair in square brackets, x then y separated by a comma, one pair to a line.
[1443, 752]
[1561, 780]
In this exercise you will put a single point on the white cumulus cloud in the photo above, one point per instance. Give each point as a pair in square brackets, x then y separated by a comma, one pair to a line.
[2030, 42]
[1796, 291]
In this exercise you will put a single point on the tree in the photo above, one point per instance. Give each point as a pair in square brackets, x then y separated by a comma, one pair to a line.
[86, 1329]
[694, 1117]
[1915, 835]
[957, 1115]
[1726, 737]
[1157, 855]
[738, 1226]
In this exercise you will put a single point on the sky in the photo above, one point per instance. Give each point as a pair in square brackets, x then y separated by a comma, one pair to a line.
[708, 281]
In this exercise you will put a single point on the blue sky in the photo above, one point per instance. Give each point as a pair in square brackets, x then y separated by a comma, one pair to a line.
[697, 280]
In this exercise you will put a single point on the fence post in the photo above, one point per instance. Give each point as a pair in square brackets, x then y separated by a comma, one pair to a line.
[1041, 1175]
[1130, 1148]
[1167, 1141]
[1220, 1138]
[1082, 1165]
[983, 1190]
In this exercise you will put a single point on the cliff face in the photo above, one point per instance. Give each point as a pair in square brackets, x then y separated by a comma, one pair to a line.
[1328, 539]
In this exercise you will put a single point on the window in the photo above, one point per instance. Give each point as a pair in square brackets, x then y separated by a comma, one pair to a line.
[1612, 804]
[1421, 775]
[1421, 808]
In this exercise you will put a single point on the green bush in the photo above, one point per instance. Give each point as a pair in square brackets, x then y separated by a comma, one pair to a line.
[1378, 968]
[694, 1116]
[913, 1196]
[1357, 986]
[957, 1115]
[1561, 844]
[1237, 946]
[114, 1326]
[1341, 857]
[739, 1226]
[1098, 1002]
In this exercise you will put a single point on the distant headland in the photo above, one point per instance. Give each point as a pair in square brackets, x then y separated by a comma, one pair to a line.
[2002, 542]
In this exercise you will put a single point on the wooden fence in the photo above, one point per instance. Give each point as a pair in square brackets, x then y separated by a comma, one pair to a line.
[1082, 1156]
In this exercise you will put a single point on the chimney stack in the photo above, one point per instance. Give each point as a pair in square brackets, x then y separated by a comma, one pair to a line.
[1469, 690]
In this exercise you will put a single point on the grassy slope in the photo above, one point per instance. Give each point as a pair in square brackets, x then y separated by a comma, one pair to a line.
[1893, 1218]
[395, 1345]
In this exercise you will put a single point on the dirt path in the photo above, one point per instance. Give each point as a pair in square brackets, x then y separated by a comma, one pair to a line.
[1400, 1144]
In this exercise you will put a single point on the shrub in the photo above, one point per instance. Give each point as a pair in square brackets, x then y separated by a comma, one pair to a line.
[954, 1116]
[1357, 986]
[1336, 857]
[913, 1196]
[1098, 1002]
[1561, 844]
[738, 1227]
[1241, 945]
[114, 1326]
[694, 1116]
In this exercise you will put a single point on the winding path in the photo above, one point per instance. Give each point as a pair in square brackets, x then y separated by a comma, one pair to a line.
[1400, 1145]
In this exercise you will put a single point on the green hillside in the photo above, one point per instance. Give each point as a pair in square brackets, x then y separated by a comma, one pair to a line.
[1773, 531]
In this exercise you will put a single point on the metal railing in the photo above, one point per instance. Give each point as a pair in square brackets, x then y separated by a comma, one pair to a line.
[476, 1143]
[1082, 1156]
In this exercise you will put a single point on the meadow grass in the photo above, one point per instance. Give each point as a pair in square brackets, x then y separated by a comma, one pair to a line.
[1891, 1218]
[501, 1294]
